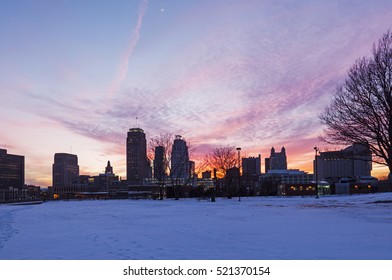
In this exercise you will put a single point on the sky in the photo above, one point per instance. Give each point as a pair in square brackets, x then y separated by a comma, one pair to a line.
[75, 76]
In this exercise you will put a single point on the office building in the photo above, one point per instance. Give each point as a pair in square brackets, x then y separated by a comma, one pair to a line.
[138, 165]
[65, 173]
[64, 170]
[12, 175]
[159, 163]
[251, 165]
[352, 162]
[290, 176]
[180, 159]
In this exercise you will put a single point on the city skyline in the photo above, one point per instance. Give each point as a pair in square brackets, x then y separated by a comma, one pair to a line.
[255, 74]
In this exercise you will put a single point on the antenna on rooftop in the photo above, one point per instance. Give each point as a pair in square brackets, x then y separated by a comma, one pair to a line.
[137, 123]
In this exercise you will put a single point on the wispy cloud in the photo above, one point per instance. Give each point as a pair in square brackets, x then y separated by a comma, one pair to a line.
[123, 68]
[254, 75]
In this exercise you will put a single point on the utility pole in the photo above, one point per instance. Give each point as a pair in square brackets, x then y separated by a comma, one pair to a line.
[316, 170]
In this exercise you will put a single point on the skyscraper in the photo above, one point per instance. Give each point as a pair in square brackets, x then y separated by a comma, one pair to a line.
[276, 160]
[138, 166]
[179, 159]
[65, 169]
[159, 163]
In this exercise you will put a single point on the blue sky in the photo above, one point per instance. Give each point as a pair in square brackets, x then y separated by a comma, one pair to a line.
[75, 75]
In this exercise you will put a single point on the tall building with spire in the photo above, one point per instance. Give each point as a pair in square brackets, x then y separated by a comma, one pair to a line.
[179, 159]
[108, 168]
[277, 160]
[138, 165]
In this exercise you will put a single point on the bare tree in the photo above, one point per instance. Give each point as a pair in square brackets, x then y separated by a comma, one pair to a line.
[174, 167]
[164, 140]
[361, 108]
[222, 159]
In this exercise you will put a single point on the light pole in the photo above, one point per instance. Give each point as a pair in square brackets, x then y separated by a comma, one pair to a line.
[316, 150]
[214, 187]
[239, 174]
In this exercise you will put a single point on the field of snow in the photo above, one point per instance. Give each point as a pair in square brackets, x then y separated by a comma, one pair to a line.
[281, 228]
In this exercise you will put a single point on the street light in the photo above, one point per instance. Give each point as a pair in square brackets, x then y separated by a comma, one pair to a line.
[316, 150]
[239, 174]
[214, 187]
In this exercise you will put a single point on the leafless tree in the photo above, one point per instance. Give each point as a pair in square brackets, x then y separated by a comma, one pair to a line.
[173, 173]
[166, 141]
[222, 159]
[361, 108]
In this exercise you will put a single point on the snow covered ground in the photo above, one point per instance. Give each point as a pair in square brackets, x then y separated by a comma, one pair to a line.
[335, 227]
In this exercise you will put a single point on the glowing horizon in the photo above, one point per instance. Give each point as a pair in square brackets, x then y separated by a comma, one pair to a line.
[251, 74]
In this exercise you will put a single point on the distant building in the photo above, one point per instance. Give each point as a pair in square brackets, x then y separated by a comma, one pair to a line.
[287, 182]
[206, 174]
[251, 165]
[87, 186]
[352, 162]
[276, 160]
[12, 175]
[64, 170]
[159, 163]
[180, 159]
[104, 182]
[192, 168]
[231, 186]
[290, 176]
[138, 165]
[109, 168]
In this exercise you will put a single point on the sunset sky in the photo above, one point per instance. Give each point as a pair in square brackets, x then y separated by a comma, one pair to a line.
[75, 75]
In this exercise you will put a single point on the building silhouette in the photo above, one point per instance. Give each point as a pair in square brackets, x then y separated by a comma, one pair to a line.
[64, 170]
[352, 162]
[138, 165]
[192, 168]
[251, 165]
[277, 160]
[108, 168]
[12, 175]
[179, 159]
[206, 174]
[159, 163]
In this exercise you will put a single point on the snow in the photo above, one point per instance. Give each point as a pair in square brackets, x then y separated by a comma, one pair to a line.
[273, 228]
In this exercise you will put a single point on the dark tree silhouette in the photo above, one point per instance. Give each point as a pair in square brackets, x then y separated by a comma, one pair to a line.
[222, 159]
[166, 140]
[361, 108]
